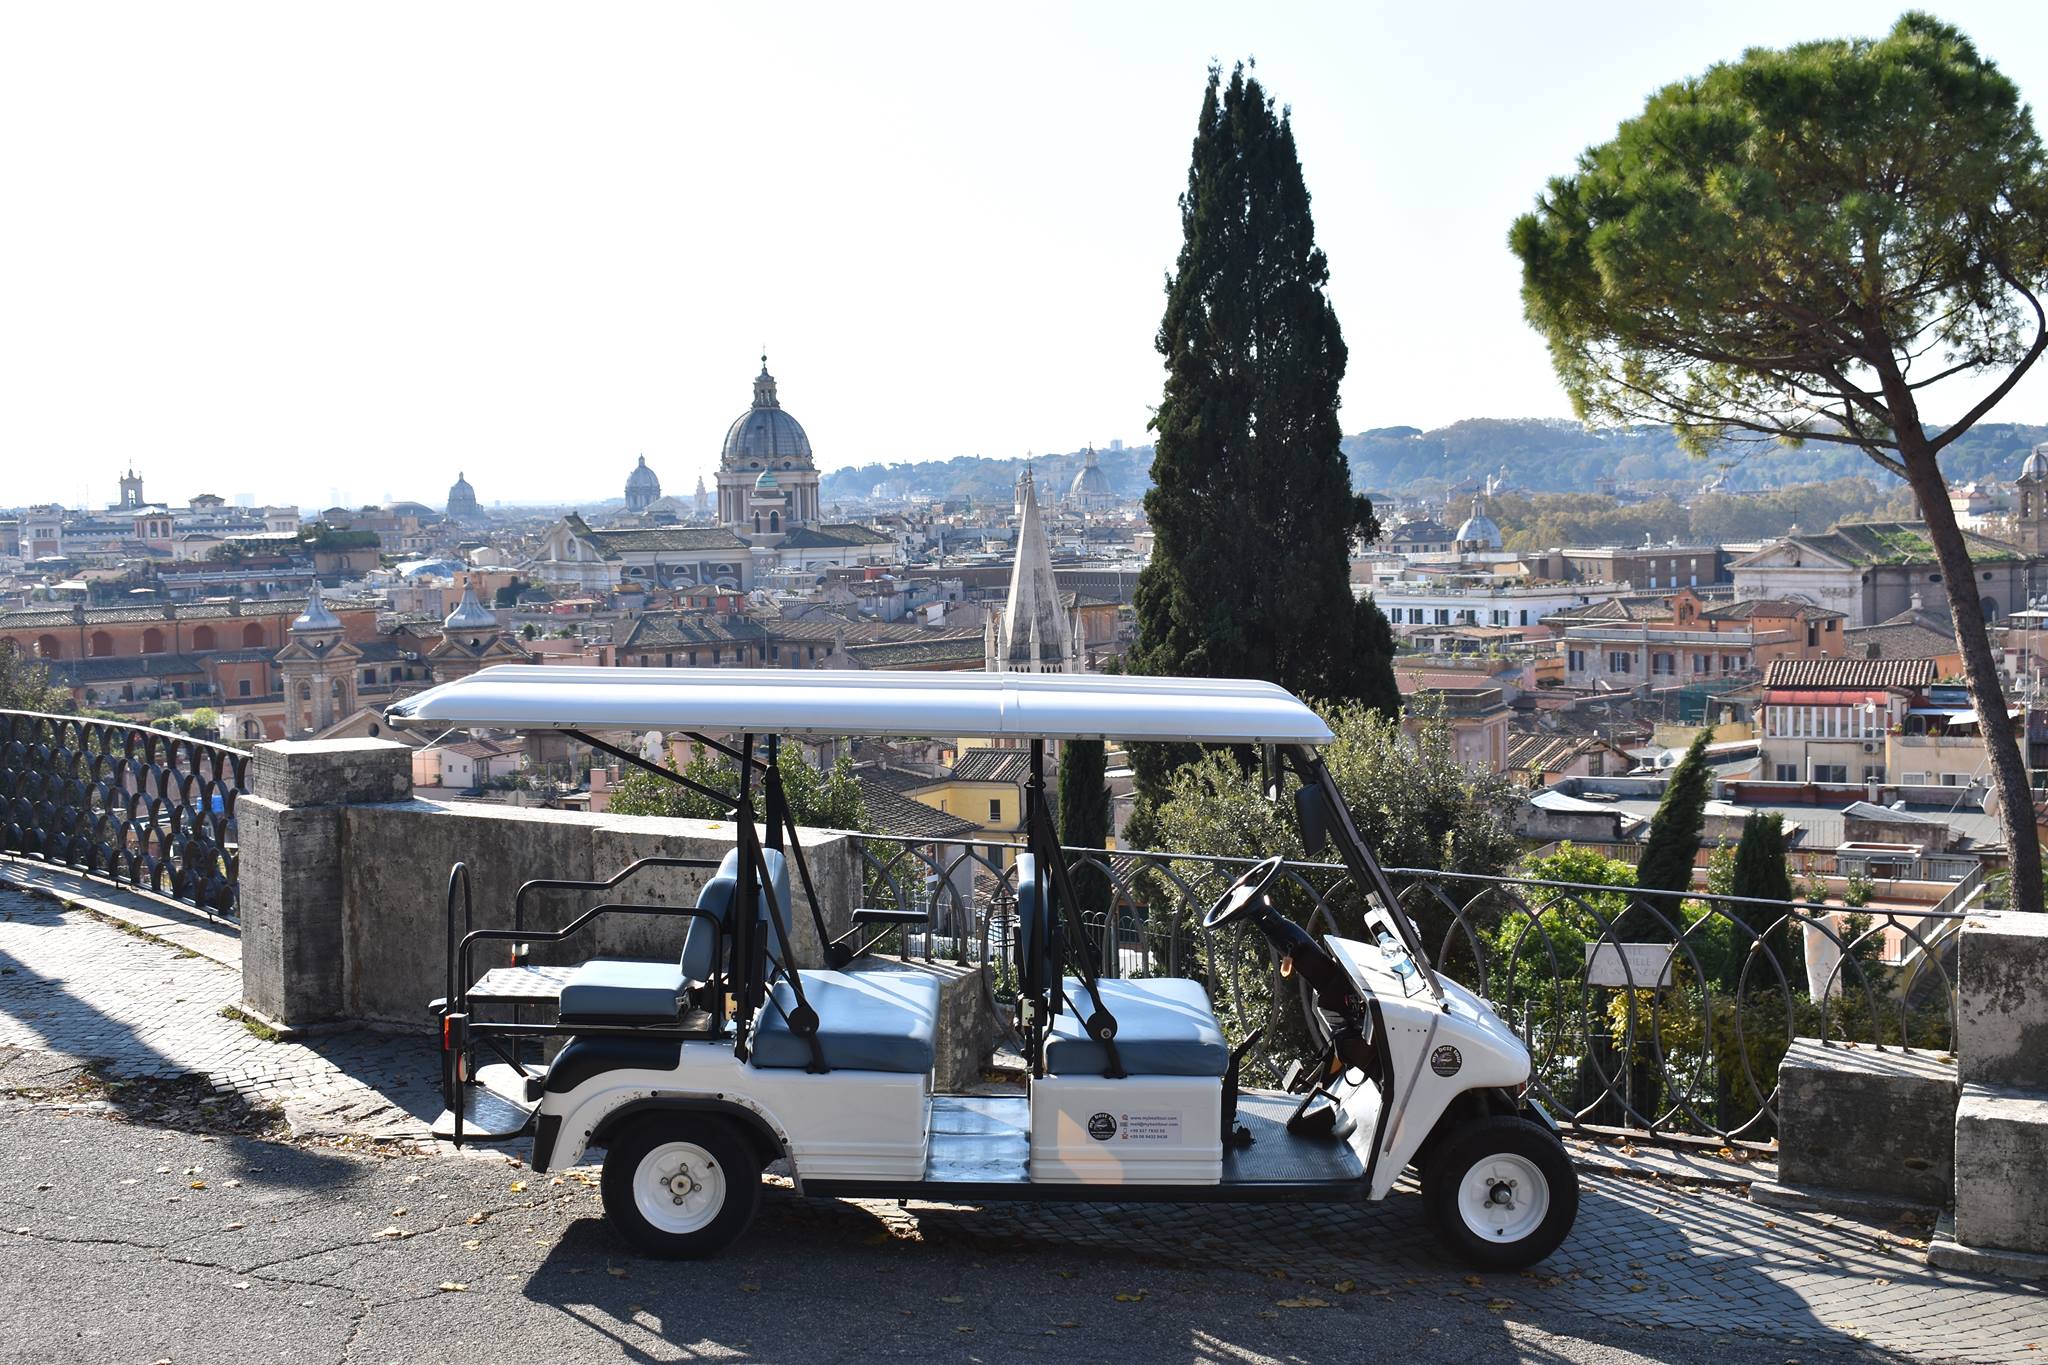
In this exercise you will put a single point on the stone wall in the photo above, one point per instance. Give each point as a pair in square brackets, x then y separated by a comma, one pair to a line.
[345, 879]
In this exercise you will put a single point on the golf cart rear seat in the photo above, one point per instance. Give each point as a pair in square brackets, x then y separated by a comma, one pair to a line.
[623, 991]
[867, 1021]
[1164, 1026]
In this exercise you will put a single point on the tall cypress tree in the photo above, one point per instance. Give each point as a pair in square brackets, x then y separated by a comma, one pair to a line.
[1084, 816]
[1251, 506]
[1674, 839]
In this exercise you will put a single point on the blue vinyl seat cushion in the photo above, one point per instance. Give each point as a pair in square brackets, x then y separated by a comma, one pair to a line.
[867, 1021]
[1164, 1027]
[716, 897]
[614, 988]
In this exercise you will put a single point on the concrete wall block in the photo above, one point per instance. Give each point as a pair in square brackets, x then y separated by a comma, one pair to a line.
[2002, 1009]
[2001, 1142]
[331, 772]
[291, 910]
[395, 863]
[1874, 1122]
[395, 892]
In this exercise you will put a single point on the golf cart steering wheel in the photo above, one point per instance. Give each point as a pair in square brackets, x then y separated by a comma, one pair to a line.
[1242, 894]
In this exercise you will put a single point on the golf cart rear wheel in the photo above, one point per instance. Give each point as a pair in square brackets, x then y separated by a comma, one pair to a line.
[680, 1186]
[1500, 1193]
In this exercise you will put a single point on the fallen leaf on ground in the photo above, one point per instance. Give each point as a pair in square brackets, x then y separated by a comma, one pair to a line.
[1500, 1305]
[197, 1185]
[471, 1245]
[519, 1187]
[1345, 1286]
[234, 1227]
[952, 1298]
[393, 1231]
[452, 1287]
[476, 1218]
[1130, 1295]
[1304, 1303]
[617, 1270]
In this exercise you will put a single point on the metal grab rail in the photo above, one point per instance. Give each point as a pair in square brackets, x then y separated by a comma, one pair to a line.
[1689, 1053]
[145, 807]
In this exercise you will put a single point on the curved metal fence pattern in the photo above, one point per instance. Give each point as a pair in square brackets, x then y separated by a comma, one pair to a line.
[1652, 1014]
[147, 807]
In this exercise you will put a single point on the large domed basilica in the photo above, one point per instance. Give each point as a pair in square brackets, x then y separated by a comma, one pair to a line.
[767, 482]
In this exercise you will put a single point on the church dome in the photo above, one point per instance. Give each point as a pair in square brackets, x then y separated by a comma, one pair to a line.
[1481, 528]
[460, 491]
[470, 614]
[1089, 481]
[315, 618]
[765, 432]
[642, 487]
[2036, 468]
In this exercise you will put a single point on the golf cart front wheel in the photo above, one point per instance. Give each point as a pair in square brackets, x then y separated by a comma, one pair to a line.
[1500, 1194]
[680, 1187]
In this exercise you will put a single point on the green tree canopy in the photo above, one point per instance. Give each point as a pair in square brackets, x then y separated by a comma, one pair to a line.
[819, 800]
[1802, 245]
[1252, 503]
[25, 683]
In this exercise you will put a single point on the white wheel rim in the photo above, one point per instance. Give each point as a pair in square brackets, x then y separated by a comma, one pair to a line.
[679, 1187]
[1503, 1198]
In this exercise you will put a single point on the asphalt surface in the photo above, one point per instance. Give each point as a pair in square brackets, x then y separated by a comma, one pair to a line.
[132, 1241]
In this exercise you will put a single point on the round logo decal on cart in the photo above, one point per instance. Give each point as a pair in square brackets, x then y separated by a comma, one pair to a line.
[1101, 1127]
[1446, 1061]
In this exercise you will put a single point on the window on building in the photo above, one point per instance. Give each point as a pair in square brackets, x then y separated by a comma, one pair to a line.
[1788, 772]
[995, 808]
[1665, 664]
[1837, 773]
[1575, 660]
[1953, 779]
[1620, 661]
[369, 677]
[242, 688]
[1873, 772]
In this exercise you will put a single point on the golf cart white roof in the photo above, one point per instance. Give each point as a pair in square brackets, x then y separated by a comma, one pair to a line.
[832, 703]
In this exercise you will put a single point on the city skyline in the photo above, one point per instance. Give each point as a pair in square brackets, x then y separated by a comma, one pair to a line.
[255, 272]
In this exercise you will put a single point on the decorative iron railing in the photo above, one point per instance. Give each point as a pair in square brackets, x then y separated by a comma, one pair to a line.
[1654, 1014]
[147, 807]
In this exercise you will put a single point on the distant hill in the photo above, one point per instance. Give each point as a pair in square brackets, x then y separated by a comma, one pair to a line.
[1537, 454]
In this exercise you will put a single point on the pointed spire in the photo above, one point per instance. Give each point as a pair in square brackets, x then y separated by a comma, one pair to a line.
[1034, 631]
[316, 618]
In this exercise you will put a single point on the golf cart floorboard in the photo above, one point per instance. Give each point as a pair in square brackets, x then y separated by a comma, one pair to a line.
[981, 1145]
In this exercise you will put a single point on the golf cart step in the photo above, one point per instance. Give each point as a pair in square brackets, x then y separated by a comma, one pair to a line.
[526, 985]
[494, 1105]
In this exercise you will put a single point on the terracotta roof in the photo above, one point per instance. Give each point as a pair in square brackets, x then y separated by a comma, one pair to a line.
[671, 538]
[1897, 542]
[993, 765]
[958, 649]
[1742, 611]
[1850, 673]
[658, 630]
[1909, 635]
[890, 813]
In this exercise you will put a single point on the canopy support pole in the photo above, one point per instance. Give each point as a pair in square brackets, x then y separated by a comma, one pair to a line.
[1042, 832]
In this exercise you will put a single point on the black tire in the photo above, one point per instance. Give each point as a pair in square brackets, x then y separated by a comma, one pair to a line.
[1489, 1236]
[721, 1172]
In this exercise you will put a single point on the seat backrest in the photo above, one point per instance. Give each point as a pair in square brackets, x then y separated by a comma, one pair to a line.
[698, 962]
[1037, 961]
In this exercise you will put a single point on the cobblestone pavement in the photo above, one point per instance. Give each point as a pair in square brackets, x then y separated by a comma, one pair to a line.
[1646, 1254]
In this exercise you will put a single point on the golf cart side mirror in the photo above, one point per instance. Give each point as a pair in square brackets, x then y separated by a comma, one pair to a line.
[1313, 815]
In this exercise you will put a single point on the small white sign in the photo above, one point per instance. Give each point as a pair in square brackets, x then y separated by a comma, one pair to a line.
[1626, 966]
[1149, 1128]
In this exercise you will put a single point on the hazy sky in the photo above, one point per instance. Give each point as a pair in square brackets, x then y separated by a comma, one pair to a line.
[290, 251]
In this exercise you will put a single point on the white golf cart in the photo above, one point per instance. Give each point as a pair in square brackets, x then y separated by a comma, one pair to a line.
[695, 1072]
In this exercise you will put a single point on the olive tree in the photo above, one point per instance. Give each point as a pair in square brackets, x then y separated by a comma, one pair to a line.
[1829, 243]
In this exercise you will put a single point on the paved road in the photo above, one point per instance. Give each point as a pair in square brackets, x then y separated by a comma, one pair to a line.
[124, 1259]
[113, 1251]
